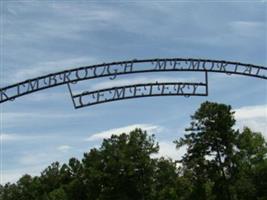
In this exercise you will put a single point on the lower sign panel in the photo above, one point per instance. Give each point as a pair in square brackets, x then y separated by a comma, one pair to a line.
[89, 98]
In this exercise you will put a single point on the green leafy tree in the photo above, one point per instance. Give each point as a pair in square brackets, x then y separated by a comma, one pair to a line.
[71, 179]
[122, 168]
[165, 180]
[210, 148]
[58, 194]
[250, 166]
[9, 192]
[51, 177]
[222, 161]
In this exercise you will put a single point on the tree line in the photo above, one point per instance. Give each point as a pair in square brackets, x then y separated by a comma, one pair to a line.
[220, 163]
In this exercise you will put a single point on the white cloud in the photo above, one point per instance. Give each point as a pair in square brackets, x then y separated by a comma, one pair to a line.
[8, 137]
[248, 112]
[64, 148]
[150, 128]
[168, 149]
[255, 117]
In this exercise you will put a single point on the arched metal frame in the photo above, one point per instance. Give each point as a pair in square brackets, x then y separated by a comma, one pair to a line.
[114, 69]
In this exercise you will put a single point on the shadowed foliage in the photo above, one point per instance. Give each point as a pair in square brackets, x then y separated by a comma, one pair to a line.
[221, 163]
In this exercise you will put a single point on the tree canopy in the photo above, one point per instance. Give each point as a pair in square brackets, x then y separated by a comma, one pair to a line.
[221, 163]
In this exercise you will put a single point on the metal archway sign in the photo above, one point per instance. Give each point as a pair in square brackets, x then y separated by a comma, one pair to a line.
[115, 69]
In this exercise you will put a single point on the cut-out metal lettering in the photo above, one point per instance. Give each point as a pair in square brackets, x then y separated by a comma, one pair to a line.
[186, 89]
[114, 69]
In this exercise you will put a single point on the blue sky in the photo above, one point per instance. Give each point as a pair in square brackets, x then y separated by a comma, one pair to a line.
[42, 37]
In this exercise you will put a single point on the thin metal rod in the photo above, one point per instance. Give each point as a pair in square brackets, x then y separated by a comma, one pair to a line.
[71, 96]
[207, 84]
